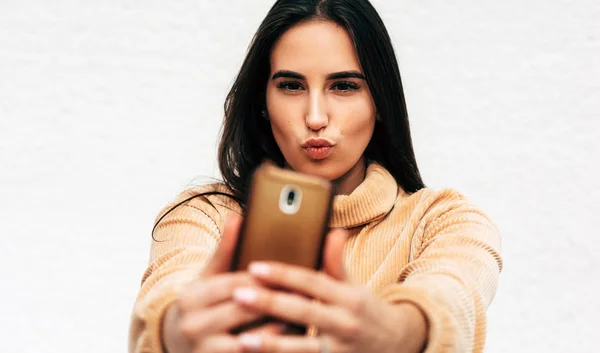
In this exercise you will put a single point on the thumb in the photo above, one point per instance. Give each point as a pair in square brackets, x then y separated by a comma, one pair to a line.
[333, 260]
[221, 259]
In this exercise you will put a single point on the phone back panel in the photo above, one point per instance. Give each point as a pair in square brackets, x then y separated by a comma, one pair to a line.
[272, 232]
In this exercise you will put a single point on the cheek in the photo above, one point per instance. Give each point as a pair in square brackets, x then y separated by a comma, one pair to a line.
[283, 131]
[283, 113]
[358, 122]
[356, 137]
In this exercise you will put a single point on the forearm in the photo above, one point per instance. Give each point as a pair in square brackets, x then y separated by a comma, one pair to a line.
[184, 240]
[453, 278]
[453, 301]
[172, 338]
[414, 328]
[150, 310]
[158, 292]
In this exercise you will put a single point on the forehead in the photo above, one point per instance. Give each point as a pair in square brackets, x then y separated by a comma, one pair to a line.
[315, 47]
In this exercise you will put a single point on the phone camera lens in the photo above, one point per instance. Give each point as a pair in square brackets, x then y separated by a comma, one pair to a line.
[290, 198]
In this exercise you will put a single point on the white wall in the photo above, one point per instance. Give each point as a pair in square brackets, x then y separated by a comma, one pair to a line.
[108, 109]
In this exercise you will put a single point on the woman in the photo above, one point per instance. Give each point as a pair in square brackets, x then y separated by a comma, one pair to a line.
[406, 269]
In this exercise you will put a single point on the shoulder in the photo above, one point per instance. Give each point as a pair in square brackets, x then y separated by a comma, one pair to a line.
[426, 197]
[430, 205]
[214, 201]
[430, 196]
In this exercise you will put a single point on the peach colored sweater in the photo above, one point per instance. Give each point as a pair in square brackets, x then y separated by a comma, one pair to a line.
[431, 248]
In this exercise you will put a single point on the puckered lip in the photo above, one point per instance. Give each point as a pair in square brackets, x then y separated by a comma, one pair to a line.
[317, 142]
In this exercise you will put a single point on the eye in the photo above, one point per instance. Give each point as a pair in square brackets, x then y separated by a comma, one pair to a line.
[345, 86]
[290, 86]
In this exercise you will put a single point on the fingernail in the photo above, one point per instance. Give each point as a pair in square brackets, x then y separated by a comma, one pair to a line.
[259, 269]
[244, 294]
[250, 341]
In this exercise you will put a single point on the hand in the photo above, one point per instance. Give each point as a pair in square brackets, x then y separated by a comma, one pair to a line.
[203, 315]
[350, 319]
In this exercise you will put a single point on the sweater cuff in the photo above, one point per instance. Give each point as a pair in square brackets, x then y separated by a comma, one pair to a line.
[148, 314]
[441, 335]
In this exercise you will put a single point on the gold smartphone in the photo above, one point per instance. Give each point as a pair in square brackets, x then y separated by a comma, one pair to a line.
[287, 220]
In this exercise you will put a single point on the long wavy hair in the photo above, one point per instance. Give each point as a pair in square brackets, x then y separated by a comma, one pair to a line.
[247, 138]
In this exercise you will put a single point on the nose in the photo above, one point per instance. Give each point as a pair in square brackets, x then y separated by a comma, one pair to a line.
[317, 119]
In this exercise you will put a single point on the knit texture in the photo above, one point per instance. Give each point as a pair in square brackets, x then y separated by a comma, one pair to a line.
[434, 249]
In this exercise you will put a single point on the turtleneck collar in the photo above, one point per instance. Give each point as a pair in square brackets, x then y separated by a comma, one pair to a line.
[371, 200]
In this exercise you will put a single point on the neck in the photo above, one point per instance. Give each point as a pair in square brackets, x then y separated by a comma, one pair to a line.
[372, 199]
[345, 184]
[352, 178]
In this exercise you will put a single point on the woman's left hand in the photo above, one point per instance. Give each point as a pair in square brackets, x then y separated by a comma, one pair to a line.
[349, 318]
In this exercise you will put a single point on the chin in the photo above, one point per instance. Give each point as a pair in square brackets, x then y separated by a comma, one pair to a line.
[326, 169]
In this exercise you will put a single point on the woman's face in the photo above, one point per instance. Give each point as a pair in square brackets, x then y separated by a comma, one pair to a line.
[318, 102]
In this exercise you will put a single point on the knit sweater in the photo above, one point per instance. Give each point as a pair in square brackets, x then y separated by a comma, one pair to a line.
[434, 249]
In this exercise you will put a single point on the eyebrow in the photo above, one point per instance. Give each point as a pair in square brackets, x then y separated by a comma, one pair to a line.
[332, 76]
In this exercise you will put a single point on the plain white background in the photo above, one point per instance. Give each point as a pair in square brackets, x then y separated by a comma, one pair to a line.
[108, 109]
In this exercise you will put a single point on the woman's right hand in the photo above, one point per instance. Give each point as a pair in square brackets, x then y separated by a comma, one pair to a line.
[204, 314]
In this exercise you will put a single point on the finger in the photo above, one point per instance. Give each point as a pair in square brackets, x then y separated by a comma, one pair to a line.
[221, 259]
[279, 344]
[297, 309]
[212, 290]
[333, 261]
[218, 319]
[302, 280]
[218, 344]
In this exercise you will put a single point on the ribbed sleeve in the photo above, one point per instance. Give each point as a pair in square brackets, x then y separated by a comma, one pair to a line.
[185, 241]
[453, 276]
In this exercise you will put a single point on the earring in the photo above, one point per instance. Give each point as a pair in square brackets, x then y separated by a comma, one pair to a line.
[264, 114]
